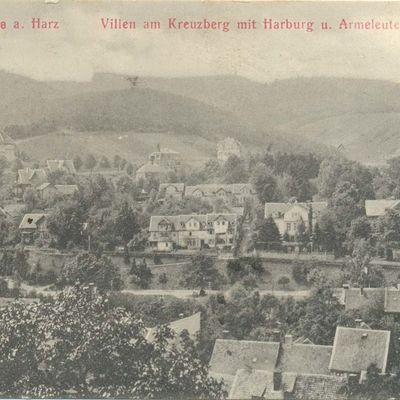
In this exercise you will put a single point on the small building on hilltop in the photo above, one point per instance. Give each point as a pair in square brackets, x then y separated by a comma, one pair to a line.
[228, 147]
[165, 158]
[159, 164]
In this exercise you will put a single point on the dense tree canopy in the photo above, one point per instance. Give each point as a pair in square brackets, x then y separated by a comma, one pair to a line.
[77, 345]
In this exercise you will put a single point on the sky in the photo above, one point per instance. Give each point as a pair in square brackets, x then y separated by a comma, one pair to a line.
[81, 47]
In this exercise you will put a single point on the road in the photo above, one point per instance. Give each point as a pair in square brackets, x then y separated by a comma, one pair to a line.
[186, 294]
[178, 293]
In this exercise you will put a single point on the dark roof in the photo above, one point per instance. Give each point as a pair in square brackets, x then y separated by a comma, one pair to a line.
[355, 349]
[305, 358]
[392, 300]
[315, 387]
[249, 383]
[357, 298]
[230, 355]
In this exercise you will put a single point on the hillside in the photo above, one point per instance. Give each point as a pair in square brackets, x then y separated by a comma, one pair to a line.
[297, 114]
[360, 114]
[92, 107]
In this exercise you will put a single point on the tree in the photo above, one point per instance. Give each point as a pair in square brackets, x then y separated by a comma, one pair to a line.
[142, 275]
[264, 184]
[234, 170]
[78, 162]
[88, 268]
[31, 199]
[359, 272]
[104, 162]
[201, 273]
[65, 223]
[268, 231]
[130, 169]
[108, 355]
[163, 279]
[123, 163]
[126, 225]
[21, 265]
[302, 234]
[283, 281]
[90, 162]
[133, 268]
[116, 161]
[321, 316]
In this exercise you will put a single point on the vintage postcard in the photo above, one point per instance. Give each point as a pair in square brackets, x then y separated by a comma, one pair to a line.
[199, 200]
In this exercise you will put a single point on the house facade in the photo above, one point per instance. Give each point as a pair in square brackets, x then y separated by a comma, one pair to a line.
[237, 193]
[195, 231]
[165, 158]
[174, 190]
[66, 166]
[34, 226]
[289, 216]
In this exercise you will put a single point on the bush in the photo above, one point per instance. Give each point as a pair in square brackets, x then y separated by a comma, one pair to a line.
[283, 281]
[300, 273]
[157, 259]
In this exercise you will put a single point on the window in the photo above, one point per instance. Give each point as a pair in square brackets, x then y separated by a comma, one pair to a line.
[294, 226]
[288, 226]
[223, 222]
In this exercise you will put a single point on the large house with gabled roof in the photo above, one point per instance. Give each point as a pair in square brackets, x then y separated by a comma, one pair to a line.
[194, 231]
[289, 216]
[30, 177]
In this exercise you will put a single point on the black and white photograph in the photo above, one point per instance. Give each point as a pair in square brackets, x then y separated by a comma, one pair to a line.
[199, 200]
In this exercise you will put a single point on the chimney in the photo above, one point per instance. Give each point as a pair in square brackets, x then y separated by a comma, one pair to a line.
[277, 384]
[276, 335]
[288, 340]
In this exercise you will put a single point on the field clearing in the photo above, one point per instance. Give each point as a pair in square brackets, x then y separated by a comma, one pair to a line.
[134, 146]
